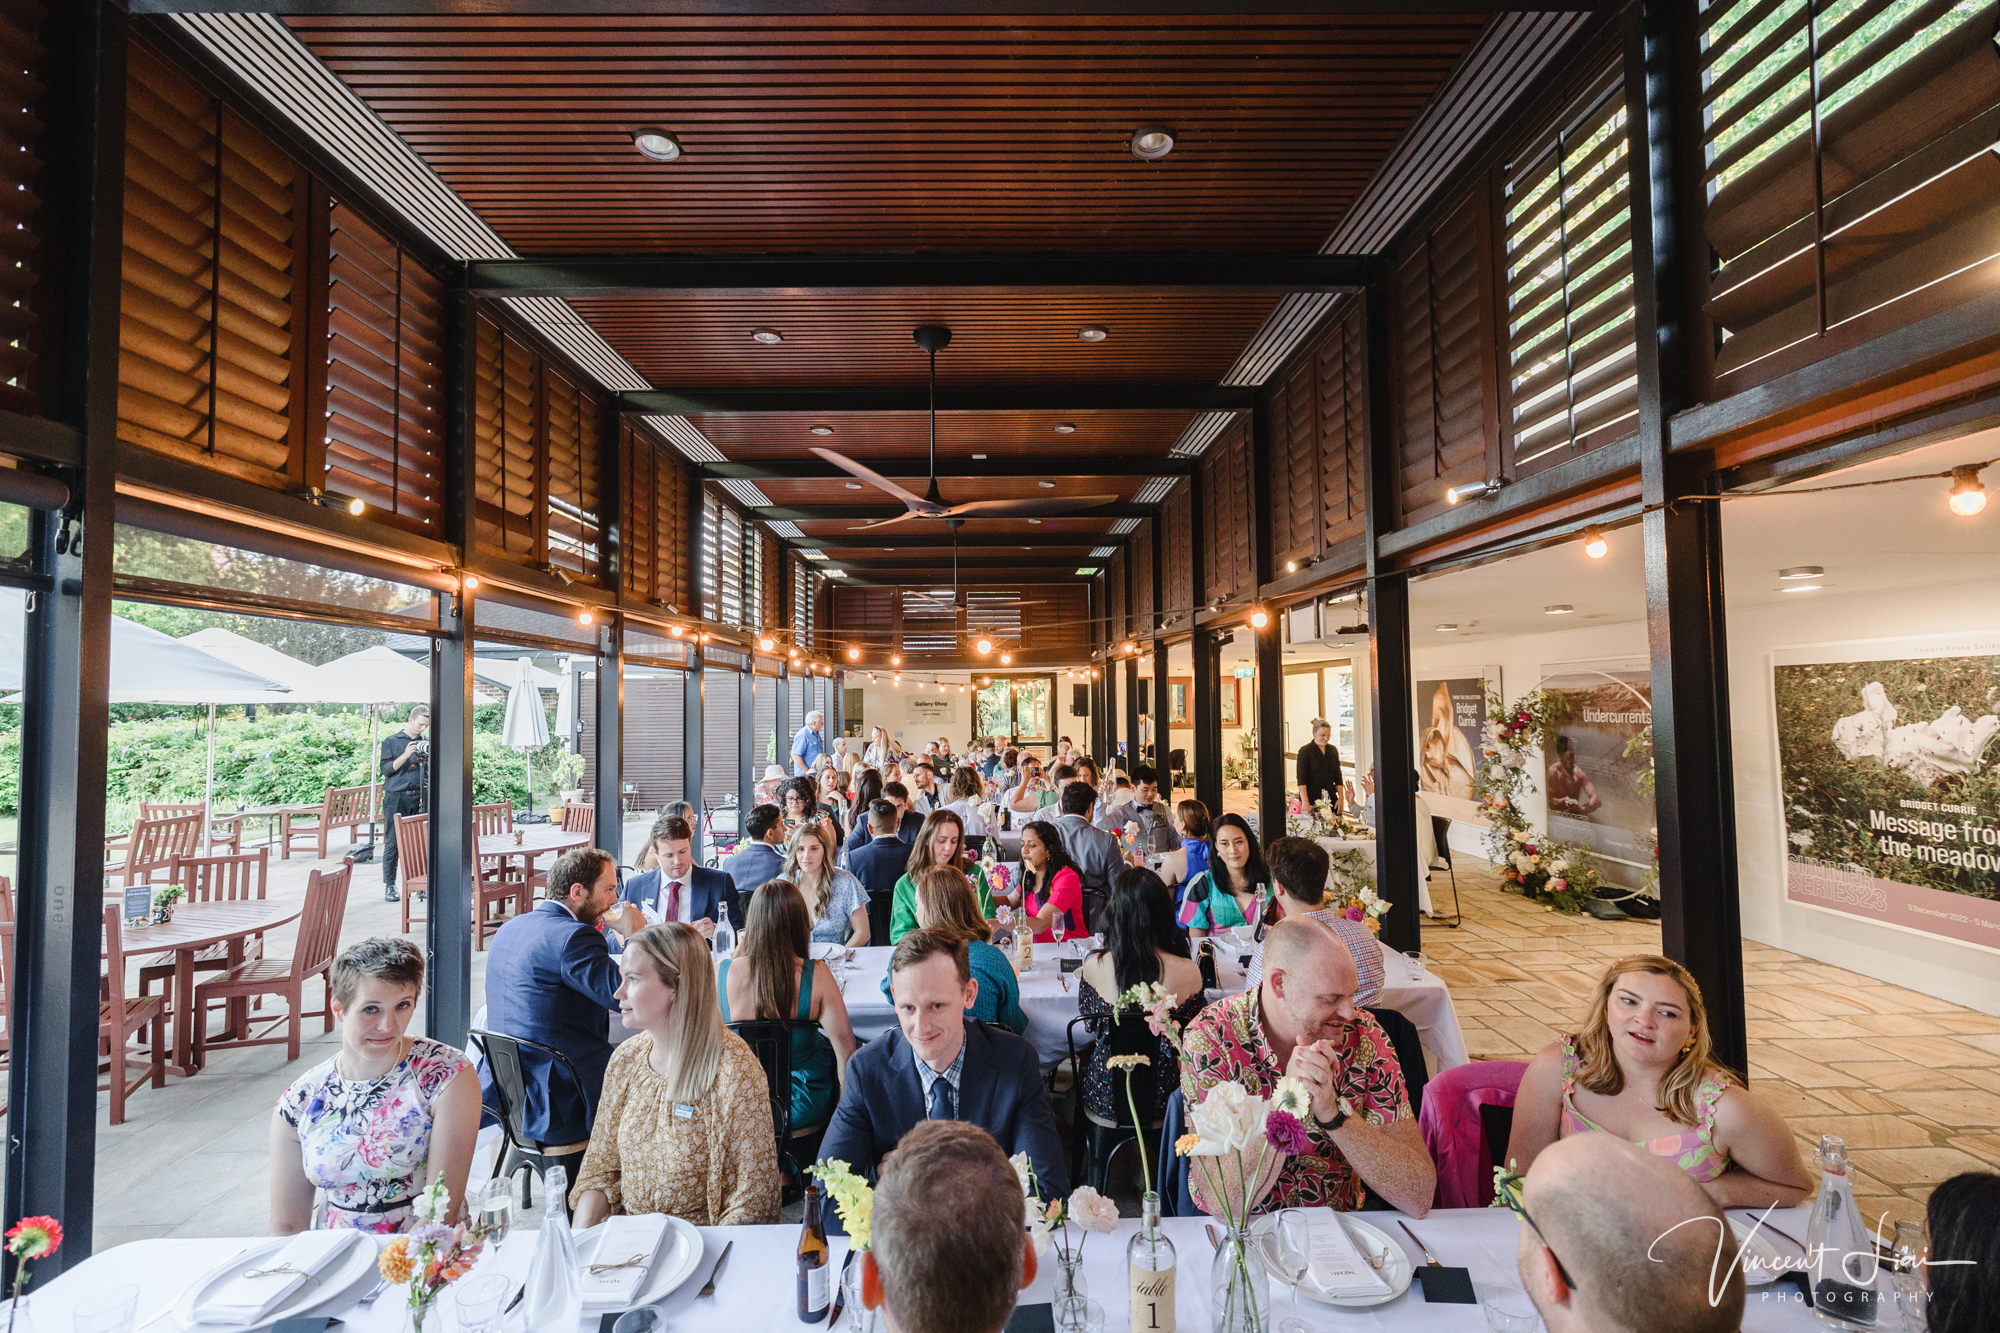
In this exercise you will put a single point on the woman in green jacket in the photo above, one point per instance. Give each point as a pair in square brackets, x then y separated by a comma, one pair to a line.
[940, 842]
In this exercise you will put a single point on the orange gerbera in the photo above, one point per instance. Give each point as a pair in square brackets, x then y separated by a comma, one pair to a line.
[395, 1263]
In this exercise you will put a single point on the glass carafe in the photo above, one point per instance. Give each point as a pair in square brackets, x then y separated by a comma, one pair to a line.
[553, 1298]
[1149, 1266]
[1842, 1266]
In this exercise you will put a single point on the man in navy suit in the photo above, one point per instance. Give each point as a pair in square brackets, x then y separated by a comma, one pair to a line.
[909, 823]
[550, 978]
[879, 863]
[677, 889]
[940, 1066]
[760, 861]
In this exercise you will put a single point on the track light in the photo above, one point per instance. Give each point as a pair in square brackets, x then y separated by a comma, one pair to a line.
[1594, 544]
[1968, 495]
[1473, 490]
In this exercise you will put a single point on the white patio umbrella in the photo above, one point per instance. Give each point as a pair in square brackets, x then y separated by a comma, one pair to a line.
[526, 727]
[147, 667]
[566, 704]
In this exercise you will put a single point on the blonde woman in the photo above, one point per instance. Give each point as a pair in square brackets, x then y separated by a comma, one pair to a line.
[684, 1125]
[1642, 1067]
[881, 750]
[836, 904]
[968, 793]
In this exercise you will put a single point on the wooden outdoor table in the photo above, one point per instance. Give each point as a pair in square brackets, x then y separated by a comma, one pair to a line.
[537, 840]
[195, 927]
[281, 815]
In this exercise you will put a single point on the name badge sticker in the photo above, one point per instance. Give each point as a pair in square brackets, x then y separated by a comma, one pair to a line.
[683, 1110]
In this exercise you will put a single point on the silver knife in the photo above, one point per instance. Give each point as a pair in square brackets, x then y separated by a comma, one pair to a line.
[708, 1288]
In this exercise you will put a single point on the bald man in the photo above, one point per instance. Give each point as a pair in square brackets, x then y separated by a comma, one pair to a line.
[1625, 1241]
[1302, 1021]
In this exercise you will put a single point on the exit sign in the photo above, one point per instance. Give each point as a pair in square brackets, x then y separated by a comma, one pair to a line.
[1246, 673]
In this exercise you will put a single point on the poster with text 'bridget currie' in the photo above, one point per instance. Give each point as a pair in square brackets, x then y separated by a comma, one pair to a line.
[1890, 780]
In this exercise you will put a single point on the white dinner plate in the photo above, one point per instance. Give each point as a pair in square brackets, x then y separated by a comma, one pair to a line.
[1385, 1255]
[825, 951]
[674, 1263]
[340, 1285]
[1760, 1256]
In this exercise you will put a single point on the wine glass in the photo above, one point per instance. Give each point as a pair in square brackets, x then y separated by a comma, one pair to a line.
[1058, 929]
[1291, 1247]
[496, 1208]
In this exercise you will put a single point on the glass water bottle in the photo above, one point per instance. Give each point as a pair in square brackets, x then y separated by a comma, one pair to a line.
[1149, 1268]
[554, 1294]
[1842, 1265]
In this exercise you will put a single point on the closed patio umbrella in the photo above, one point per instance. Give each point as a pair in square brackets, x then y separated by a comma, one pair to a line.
[526, 727]
[566, 704]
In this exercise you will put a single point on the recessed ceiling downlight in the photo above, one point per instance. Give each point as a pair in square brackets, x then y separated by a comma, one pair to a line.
[769, 337]
[1802, 572]
[822, 430]
[656, 145]
[1065, 428]
[1093, 333]
[1150, 143]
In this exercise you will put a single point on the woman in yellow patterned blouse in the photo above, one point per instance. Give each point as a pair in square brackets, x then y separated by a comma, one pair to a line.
[684, 1125]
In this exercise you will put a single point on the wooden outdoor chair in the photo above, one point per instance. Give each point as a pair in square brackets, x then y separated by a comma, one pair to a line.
[118, 1017]
[413, 861]
[498, 886]
[153, 846]
[223, 830]
[312, 956]
[210, 879]
[351, 808]
[488, 820]
[579, 819]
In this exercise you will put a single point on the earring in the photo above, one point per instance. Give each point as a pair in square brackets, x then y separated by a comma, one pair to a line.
[1690, 1046]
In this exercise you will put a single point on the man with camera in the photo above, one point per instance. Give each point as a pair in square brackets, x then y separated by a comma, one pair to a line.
[406, 781]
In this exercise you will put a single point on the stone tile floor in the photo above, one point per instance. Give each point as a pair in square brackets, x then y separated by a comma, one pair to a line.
[1912, 1083]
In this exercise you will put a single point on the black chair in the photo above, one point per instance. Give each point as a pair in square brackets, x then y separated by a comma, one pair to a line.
[1177, 768]
[1096, 1141]
[1441, 830]
[524, 1155]
[770, 1040]
[881, 910]
[1409, 1046]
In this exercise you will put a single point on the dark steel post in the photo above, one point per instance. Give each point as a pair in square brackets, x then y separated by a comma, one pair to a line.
[747, 763]
[608, 763]
[1131, 703]
[1700, 916]
[784, 709]
[66, 667]
[1269, 687]
[1161, 736]
[1207, 710]
[691, 735]
[1392, 708]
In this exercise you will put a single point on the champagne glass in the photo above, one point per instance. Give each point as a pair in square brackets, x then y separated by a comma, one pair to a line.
[496, 1209]
[1058, 929]
[1291, 1247]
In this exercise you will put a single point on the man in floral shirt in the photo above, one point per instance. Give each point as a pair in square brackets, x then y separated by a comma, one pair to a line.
[1301, 1021]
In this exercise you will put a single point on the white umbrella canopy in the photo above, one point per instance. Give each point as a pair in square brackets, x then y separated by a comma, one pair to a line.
[390, 676]
[505, 673]
[147, 667]
[566, 703]
[308, 684]
[526, 726]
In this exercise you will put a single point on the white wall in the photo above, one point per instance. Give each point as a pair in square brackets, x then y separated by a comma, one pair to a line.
[1955, 972]
[887, 705]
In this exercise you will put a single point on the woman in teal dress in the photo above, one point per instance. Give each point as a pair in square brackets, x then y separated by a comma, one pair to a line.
[774, 976]
[945, 901]
[1232, 891]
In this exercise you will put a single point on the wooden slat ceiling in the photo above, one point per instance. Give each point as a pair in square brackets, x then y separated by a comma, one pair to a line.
[976, 530]
[898, 133]
[889, 550]
[960, 434]
[863, 339]
[956, 490]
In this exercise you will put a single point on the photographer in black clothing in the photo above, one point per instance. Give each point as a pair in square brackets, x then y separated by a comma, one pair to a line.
[406, 781]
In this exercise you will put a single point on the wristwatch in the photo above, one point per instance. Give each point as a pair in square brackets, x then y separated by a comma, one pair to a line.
[1339, 1119]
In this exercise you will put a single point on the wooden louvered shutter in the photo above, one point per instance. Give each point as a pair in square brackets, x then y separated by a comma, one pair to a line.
[1342, 369]
[506, 478]
[20, 386]
[1900, 201]
[640, 521]
[1572, 343]
[1114, 601]
[1295, 468]
[1227, 528]
[772, 567]
[572, 422]
[1178, 512]
[385, 375]
[206, 330]
[1444, 384]
[711, 557]
[1141, 551]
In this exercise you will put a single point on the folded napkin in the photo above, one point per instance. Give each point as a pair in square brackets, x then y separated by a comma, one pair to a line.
[623, 1257]
[1335, 1263]
[265, 1283]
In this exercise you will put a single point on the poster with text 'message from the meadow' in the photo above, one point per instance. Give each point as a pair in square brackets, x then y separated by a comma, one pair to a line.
[1890, 774]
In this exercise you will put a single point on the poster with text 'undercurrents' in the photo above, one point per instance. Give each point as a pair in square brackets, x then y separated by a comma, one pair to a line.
[1890, 775]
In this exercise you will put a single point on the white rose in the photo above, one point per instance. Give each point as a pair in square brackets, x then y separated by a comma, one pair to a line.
[1558, 866]
[1230, 1116]
[1092, 1211]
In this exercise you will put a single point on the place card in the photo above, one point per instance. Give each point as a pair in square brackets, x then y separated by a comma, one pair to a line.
[622, 1258]
[1039, 1318]
[1446, 1286]
[1336, 1263]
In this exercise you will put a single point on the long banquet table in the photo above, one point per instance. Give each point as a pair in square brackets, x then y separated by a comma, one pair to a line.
[1050, 1004]
[755, 1289]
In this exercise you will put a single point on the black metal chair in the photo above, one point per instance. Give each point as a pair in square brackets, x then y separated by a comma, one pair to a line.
[1097, 1142]
[1177, 769]
[523, 1154]
[1441, 830]
[770, 1040]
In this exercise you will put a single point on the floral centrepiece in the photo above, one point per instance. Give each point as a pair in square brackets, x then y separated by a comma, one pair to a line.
[431, 1255]
[1558, 874]
[853, 1198]
[1321, 819]
[29, 1239]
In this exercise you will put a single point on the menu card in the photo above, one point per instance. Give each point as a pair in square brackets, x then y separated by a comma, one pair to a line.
[1335, 1264]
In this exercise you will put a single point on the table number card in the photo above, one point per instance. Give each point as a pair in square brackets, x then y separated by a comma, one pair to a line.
[138, 901]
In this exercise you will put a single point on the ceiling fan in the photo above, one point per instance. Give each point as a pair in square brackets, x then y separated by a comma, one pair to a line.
[933, 338]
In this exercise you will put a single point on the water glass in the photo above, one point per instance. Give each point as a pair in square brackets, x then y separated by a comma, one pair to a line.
[1912, 1249]
[109, 1312]
[1077, 1315]
[642, 1320]
[478, 1299]
[1414, 963]
[1508, 1310]
[496, 1209]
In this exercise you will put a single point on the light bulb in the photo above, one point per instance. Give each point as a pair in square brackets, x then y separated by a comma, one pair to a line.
[854, 654]
[677, 631]
[768, 644]
[1259, 617]
[1968, 495]
[984, 646]
[1006, 659]
[1594, 544]
[471, 582]
[583, 617]
[896, 661]
[355, 507]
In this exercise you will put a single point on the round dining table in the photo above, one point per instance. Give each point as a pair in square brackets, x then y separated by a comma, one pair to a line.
[531, 841]
[197, 926]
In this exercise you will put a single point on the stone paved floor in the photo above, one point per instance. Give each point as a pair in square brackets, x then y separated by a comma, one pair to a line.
[1911, 1082]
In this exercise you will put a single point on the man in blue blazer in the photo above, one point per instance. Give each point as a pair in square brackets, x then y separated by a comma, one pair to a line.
[908, 822]
[879, 863]
[677, 889]
[762, 859]
[941, 1066]
[550, 978]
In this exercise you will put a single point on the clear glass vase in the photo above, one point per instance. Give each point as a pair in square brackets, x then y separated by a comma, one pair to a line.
[1239, 1290]
[859, 1318]
[416, 1314]
[1067, 1280]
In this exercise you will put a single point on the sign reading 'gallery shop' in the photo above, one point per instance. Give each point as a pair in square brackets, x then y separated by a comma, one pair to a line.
[1891, 781]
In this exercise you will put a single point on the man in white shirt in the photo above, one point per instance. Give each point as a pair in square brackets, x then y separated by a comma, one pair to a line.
[926, 797]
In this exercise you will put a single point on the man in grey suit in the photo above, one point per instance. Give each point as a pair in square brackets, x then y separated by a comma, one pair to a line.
[1146, 809]
[1098, 859]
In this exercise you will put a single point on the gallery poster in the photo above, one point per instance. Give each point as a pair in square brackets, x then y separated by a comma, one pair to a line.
[1451, 708]
[1890, 776]
[1597, 793]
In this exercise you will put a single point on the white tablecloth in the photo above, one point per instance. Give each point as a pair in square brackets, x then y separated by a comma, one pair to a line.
[1050, 1005]
[1426, 853]
[755, 1290]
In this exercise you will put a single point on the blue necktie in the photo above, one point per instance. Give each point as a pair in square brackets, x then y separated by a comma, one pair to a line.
[941, 1099]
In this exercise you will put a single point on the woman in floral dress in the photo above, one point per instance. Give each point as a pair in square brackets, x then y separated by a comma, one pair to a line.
[376, 1124]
